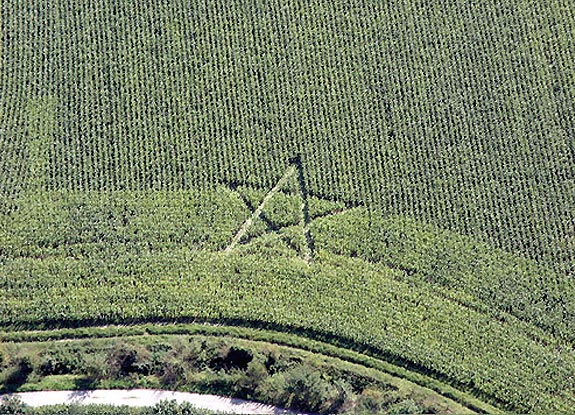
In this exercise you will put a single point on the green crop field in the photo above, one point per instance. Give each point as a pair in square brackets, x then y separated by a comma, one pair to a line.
[392, 178]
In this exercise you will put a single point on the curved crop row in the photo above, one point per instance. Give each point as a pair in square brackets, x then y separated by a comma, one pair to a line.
[358, 304]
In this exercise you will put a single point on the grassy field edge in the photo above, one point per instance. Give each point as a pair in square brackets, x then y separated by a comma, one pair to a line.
[467, 399]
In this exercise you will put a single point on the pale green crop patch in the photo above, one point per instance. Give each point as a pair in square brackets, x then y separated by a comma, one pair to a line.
[95, 258]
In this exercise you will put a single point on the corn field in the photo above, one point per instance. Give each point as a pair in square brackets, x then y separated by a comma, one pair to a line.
[435, 188]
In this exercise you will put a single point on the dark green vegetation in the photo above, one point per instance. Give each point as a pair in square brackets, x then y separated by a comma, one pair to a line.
[14, 406]
[455, 113]
[269, 373]
[408, 379]
[437, 192]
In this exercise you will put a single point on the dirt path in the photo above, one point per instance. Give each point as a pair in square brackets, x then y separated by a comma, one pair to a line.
[148, 397]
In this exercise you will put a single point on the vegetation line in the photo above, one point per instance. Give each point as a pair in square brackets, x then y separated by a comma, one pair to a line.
[308, 255]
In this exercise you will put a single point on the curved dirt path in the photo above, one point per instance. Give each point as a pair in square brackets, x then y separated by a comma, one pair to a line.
[148, 397]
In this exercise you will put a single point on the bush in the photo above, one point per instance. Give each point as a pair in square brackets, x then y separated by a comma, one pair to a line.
[344, 399]
[95, 367]
[373, 401]
[64, 359]
[173, 371]
[12, 404]
[174, 408]
[301, 387]
[17, 373]
[407, 406]
[79, 409]
[127, 359]
[255, 374]
[200, 353]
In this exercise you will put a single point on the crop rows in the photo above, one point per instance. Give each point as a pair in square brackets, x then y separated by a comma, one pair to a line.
[137, 136]
[411, 325]
[456, 114]
[81, 258]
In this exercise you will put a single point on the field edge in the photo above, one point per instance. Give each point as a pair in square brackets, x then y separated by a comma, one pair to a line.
[445, 390]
